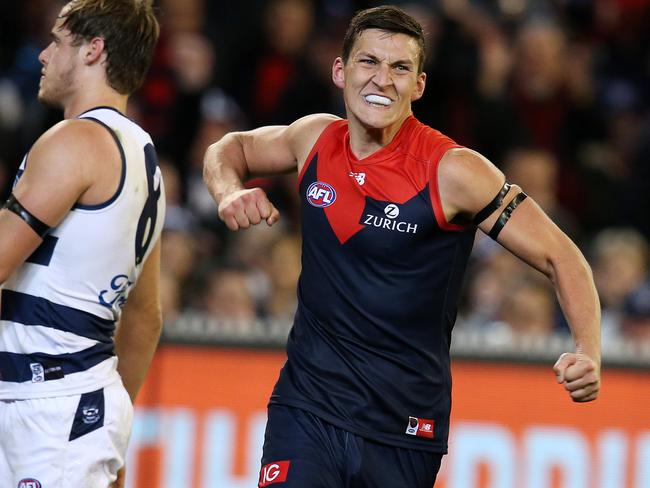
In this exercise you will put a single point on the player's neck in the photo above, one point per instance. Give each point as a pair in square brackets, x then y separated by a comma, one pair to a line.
[97, 98]
[365, 141]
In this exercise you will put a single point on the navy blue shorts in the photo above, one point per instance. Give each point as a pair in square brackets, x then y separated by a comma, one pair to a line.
[301, 450]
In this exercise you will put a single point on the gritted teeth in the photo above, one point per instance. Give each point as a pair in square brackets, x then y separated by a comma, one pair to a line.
[378, 99]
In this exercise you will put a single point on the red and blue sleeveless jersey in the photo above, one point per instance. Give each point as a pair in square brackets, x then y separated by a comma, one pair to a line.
[378, 292]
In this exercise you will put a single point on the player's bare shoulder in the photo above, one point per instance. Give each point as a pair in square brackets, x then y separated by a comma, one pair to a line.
[74, 142]
[304, 133]
[79, 155]
[467, 180]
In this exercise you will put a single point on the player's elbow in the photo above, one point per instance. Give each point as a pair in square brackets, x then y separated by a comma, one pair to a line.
[564, 257]
[145, 320]
[156, 320]
[227, 151]
[209, 161]
[152, 327]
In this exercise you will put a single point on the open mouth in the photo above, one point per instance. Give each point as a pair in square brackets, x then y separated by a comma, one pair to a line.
[378, 100]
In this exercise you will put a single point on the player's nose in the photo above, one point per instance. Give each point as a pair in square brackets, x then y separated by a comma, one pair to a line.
[382, 75]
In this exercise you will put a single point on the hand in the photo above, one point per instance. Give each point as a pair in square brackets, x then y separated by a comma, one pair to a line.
[580, 376]
[243, 208]
[119, 482]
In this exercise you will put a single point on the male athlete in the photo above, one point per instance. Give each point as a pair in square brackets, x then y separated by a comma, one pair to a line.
[389, 212]
[78, 235]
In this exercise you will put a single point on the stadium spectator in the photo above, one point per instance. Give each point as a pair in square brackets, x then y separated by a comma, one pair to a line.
[529, 309]
[283, 270]
[219, 114]
[227, 296]
[635, 321]
[538, 171]
[620, 264]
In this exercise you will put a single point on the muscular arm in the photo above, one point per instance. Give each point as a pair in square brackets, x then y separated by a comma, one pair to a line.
[468, 182]
[140, 326]
[62, 168]
[229, 162]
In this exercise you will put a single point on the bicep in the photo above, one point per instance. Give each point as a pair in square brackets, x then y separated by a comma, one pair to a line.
[17, 242]
[268, 150]
[530, 235]
[470, 184]
[55, 175]
[282, 149]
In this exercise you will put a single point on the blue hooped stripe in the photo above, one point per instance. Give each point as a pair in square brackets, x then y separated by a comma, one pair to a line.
[37, 367]
[31, 310]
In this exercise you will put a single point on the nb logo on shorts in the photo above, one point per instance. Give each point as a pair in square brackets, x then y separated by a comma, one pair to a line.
[38, 374]
[274, 473]
[29, 483]
[420, 427]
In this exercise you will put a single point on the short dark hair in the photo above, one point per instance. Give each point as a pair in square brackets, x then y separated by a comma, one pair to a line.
[386, 18]
[130, 32]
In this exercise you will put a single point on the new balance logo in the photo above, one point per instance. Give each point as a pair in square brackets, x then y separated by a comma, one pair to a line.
[38, 372]
[360, 177]
[420, 427]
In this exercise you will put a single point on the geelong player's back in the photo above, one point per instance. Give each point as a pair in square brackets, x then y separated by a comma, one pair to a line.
[59, 310]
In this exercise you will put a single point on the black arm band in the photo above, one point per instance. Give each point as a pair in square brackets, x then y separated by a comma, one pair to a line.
[505, 215]
[493, 205]
[13, 205]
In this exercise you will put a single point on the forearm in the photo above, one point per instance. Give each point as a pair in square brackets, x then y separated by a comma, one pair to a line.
[576, 292]
[224, 166]
[135, 344]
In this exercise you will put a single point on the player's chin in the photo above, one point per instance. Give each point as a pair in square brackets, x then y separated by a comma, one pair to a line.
[377, 120]
[46, 99]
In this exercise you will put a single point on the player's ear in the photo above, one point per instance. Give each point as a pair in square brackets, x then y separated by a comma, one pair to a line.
[338, 73]
[419, 87]
[93, 50]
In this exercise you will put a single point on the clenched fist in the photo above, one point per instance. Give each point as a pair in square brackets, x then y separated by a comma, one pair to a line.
[243, 208]
[580, 376]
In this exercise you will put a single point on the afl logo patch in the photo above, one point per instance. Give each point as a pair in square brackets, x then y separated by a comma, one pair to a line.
[29, 483]
[320, 194]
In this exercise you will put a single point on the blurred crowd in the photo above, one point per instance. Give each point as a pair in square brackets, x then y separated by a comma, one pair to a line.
[555, 92]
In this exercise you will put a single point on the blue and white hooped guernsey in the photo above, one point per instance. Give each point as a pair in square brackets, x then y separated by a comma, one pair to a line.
[59, 310]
